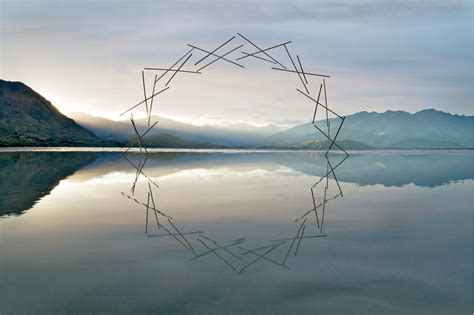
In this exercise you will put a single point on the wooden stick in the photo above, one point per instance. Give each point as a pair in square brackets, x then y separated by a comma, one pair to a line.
[144, 90]
[258, 57]
[210, 63]
[217, 254]
[293, 242]
[311, 236]
[173, 70]
[260, 257]
[144, 100]
[179, 68]
[162, 75]
[262, 50]
[306, 73]
[299, 241]
[301, 67]
[186, 233]
[219, 247]
[216, 55]
[264, 257]
[296, 69]
[214, 51]
[224, 248]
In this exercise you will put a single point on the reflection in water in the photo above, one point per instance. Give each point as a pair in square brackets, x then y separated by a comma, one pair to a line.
[395, 245]
[27, 177]
[236, 255]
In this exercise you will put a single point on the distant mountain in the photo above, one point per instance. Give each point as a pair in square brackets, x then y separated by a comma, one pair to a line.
[392, 129]
[233, 135]
[28, 119]
[164, 140]
[104, 128]
[361, 131]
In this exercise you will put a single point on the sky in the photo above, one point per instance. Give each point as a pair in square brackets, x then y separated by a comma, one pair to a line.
[87, 56]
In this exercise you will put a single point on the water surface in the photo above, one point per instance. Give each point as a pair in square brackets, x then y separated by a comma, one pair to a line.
[391, 233]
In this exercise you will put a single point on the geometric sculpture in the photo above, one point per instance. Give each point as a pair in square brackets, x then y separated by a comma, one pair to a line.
[212, 56]
[236, 250]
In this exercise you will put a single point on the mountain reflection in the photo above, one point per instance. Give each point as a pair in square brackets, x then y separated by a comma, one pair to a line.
[238, 255]
[396, 168]
[26, 177]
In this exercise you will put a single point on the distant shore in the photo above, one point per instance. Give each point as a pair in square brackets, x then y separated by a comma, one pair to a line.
[229, 150]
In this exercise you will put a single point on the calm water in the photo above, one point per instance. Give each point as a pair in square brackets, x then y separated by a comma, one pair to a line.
[236, 232]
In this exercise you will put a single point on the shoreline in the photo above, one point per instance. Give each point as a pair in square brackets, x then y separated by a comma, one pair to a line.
[217, 150]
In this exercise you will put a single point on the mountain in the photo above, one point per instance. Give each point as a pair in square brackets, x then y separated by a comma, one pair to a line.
[28, 119]
[392, 129]
[233, 135]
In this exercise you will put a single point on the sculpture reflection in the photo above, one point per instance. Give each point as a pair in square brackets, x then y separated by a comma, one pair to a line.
[237, 255]
[325, 198]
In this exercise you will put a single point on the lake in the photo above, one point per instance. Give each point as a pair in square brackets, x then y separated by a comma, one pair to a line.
[89, 231]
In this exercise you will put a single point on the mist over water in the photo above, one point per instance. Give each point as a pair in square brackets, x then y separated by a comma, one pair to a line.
[392, 233]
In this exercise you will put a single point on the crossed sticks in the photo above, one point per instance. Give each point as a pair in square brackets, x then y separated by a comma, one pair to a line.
[218, 54]
[213, 53]
[157, 78]
[327, 135]
[228, 253]
[254, 54]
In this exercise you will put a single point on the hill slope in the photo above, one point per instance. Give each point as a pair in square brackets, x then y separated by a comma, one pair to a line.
[28, 119]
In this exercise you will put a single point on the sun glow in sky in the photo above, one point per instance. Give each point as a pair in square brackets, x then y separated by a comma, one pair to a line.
[88, 56]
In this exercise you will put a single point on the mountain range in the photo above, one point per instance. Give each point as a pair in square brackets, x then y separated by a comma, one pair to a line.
[389, 130]
[27, 118]
[233, 135]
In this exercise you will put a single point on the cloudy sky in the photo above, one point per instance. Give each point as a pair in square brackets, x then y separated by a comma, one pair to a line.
[87, 56]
